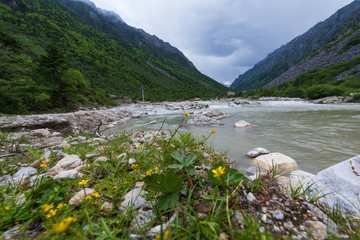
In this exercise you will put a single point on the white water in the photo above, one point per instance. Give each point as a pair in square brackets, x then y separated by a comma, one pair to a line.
[316, 136]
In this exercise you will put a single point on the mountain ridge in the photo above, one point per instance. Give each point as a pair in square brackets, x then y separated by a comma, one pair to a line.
[300, 47]
[56, 48]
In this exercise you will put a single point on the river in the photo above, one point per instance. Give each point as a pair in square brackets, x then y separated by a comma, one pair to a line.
[315, 135]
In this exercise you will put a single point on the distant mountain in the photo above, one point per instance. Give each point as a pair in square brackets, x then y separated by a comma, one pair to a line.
[287, 62]
[65, 53]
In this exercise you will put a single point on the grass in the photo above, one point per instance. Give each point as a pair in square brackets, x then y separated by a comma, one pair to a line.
[203, 206]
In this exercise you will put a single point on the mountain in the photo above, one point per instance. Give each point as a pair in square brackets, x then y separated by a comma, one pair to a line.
[272, 70]
[59, 54]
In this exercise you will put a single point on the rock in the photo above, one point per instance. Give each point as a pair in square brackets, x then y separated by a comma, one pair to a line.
[257, 152]
[70, 174]
[25, 173]
[107, 206]
[243, 124]
[101, 159]
[332, 227]
[40, 133]
[157, 229]
[207, 118]
[275, 229]
[250, 197]
[91, 155]
[20, 200]
[266, 219]
[67, 163]
[11, 233]
[153, 122]
[132, 161]
[201, 216]
[34, 179]
[278, 215]
[300, 178]
[142, 219]
[133, 199]
[238, 217]
[252, 170]
[268, 161]
[339, 185]
[79, 196]
[59, 155]
[46, 155]
[289, 226]
[317, 230]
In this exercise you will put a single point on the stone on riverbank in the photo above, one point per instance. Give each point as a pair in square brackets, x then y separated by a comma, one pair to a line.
[243, 124]
[271, 160]
[207, 118]
[67, 163]
[339, 185]
[257, 152]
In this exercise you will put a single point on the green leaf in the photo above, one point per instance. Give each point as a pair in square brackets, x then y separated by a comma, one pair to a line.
[191, 170]
[179, 166]
[165, 182]
[168, 200]
[230, 174]
[179, 156]
[207, 197]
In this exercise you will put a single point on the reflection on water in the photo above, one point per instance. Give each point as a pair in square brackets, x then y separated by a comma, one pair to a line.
[316, 136]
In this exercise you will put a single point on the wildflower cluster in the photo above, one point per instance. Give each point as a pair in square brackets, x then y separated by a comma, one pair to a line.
[63, 225]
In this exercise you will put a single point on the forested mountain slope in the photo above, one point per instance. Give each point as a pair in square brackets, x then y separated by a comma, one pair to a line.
[63, 53]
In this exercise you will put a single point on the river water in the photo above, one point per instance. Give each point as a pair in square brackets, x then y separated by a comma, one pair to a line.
[316, 136]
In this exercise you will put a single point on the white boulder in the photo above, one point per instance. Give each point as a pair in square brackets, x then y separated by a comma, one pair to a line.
[257, 152]
[67, 163]
[339, 185]
[271, 160]
[243, 124]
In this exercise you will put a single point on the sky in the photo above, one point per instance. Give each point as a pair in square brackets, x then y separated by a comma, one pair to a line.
[224, 38]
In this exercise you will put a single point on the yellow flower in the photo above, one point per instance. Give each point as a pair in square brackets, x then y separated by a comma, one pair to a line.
[43, 165]
[139, 146]
[203, 135]
[63, 225]
[6, 208]
[134, 166]
[88, 198]
[165, 235]
[51, 213]
[186, 114]
[219, 171]
[213, 130]
[119, 134]
[83, 182]
[46, 207]
[60, 205]
[148, 173]
[67, 147]
[154, 135]
[125, 182]
[96, 194]
[157, 169]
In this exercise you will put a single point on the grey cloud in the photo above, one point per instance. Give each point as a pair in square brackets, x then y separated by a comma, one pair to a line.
[224, 38]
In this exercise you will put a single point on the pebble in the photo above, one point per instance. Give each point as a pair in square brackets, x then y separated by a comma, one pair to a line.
[250, 197]
[289, 226]
[278, 215]
[275, 229]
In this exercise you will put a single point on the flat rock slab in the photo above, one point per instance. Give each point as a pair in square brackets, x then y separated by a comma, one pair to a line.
[340, 185]
[257, 152]
[67, 163]
[134, 198]
[268, 161]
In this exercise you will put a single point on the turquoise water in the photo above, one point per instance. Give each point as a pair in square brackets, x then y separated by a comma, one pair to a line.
[316, 136]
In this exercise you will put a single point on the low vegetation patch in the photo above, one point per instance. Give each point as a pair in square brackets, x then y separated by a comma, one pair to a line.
[163, 186]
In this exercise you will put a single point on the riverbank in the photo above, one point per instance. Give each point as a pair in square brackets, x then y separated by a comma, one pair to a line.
[128, 186]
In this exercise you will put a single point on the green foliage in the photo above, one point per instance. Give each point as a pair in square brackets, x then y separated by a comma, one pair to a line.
[231, 177]
[317, 83]
[164, 182]
[184, 161]
[57, 54]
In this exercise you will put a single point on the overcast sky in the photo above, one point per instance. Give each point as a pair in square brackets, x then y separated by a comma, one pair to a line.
[224, 38]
